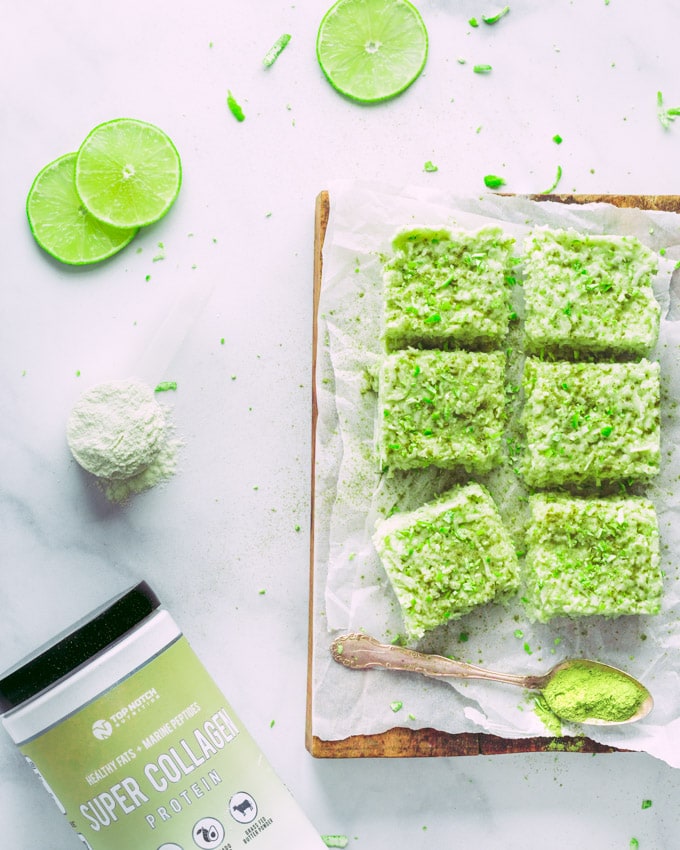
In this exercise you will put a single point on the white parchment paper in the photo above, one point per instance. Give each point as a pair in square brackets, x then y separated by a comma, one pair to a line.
[352, 592]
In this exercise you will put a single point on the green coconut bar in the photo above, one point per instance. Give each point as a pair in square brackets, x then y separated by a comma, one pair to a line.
[589, 293]
[446, 289]
[592, 556]
[588, 423]
[441, 408]
[447, 557]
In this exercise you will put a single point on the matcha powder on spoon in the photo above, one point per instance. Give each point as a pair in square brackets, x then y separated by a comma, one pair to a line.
[119, 433]
[580, 693]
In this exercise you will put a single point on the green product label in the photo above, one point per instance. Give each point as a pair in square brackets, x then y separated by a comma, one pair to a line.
[161, 762]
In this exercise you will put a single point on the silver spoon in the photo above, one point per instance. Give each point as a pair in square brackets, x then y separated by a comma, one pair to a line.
[362, 652]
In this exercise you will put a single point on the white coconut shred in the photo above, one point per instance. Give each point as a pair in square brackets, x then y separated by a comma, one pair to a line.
[119, 433]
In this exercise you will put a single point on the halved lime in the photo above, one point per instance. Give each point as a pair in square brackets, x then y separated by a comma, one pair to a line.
[371, 50]
[60, 223]
[128, 172]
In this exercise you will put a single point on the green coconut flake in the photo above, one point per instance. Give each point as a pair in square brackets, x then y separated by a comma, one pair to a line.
[234, 107]
[164, 386]
[496, 16]
[430, 166]
[665, 115]
[276, 49]
[482, 69]
[552, 188]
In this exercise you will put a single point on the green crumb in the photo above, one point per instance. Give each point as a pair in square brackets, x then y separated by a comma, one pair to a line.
[482, 69]
[222, 340]
[571, 745]
[463, 637]
[646, 804]
[275, 50]
[496, 16]
[552, 188]
[164, 386]
[461, 61]
[396, 706]
[430, 166]
[335, 840]
[297, 528]
[272, 723]
[234, 107]
[473, 22]
[557, 139]
[262, 592]
[634, 843]
[519, 634]
[492, 181]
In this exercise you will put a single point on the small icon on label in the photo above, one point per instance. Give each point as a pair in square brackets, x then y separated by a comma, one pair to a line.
[243, 807]
[208, 833]
[102, 729]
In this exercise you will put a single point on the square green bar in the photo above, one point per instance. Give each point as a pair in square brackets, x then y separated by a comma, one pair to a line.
[589, 423]
[448, 289]
[447, 557]
[592, 556]
[441, 408]
[590, 294]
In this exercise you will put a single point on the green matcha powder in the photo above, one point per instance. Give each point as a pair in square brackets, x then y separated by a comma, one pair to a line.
[580, 693]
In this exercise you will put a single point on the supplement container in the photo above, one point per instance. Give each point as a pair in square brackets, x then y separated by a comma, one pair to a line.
[137, 745]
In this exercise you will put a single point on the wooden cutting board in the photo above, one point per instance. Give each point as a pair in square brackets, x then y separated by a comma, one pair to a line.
[400, 742]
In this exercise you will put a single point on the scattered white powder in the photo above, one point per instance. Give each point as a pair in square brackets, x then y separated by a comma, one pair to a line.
[119, 432]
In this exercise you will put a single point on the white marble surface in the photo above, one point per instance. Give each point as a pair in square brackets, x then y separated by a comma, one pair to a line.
[239, 239]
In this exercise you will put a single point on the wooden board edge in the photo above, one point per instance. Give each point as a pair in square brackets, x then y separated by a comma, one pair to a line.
[400, 742]
[321, 214]
[654, 203]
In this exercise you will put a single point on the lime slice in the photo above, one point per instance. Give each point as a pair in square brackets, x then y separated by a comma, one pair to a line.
[371, 50]
[128, 173]
[60, 223]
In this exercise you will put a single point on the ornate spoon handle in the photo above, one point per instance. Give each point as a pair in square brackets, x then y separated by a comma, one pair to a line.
[362, 652]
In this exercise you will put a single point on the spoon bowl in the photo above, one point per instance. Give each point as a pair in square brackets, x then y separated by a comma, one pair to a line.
[362, 652]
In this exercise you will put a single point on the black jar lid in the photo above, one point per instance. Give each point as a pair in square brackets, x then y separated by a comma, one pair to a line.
[76, 645]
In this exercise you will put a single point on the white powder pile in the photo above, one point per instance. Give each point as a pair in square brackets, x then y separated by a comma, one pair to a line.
[119, 433]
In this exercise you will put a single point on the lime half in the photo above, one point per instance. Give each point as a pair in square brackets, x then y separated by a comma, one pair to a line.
[371, 50]
[128, 173]
[60, 223]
